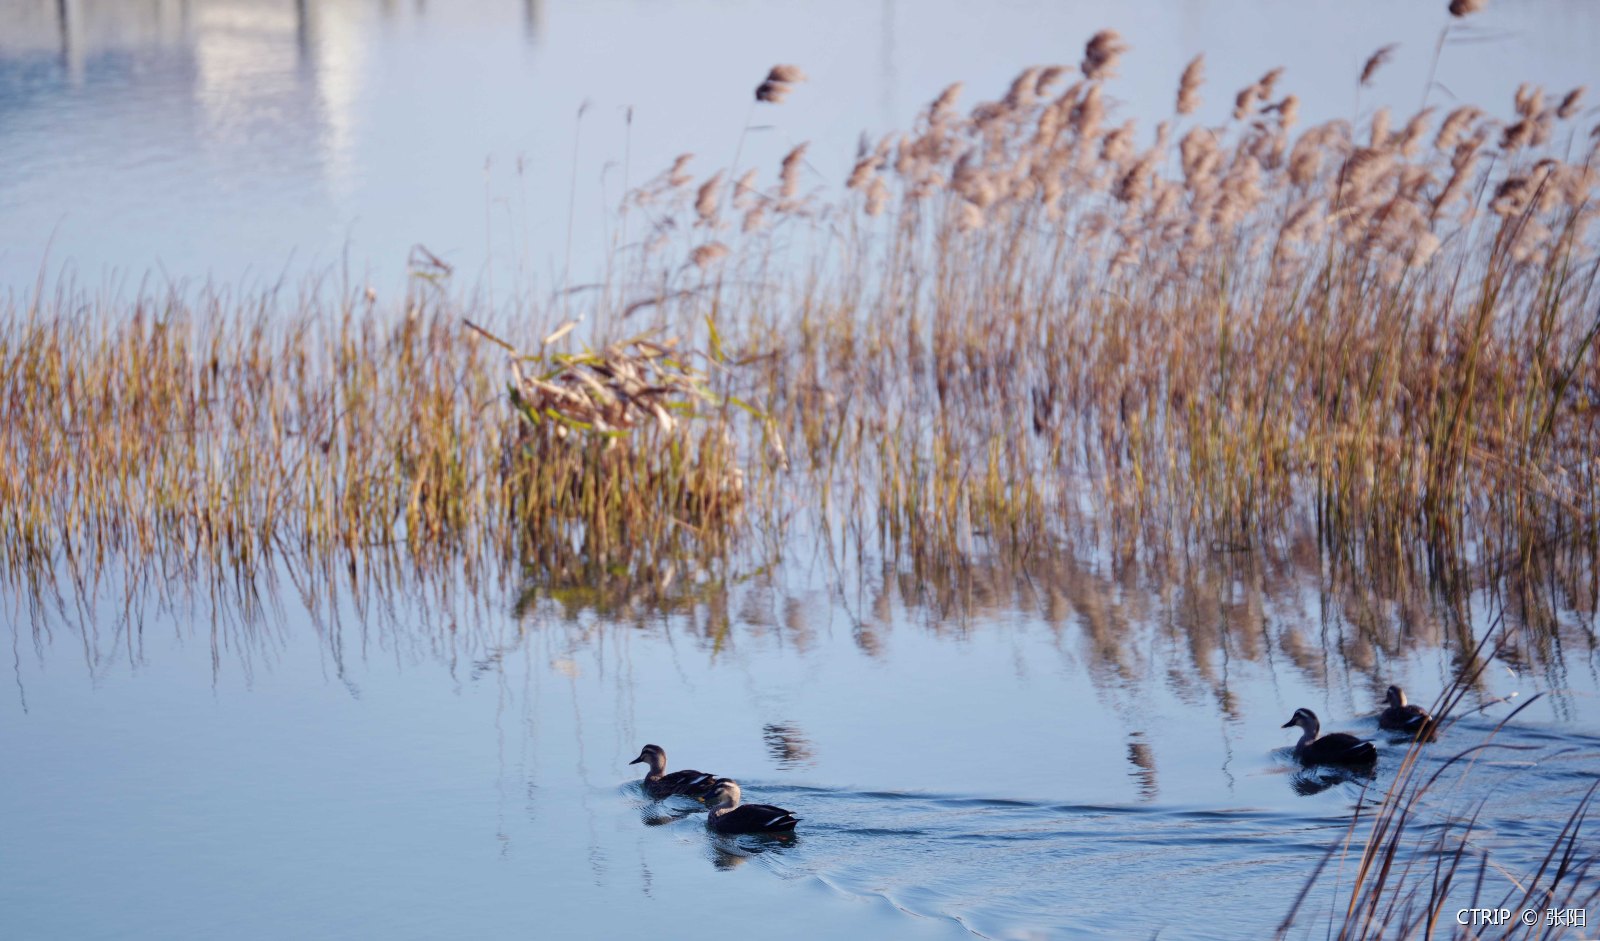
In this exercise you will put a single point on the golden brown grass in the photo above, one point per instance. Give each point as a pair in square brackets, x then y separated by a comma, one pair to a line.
[1015, 325]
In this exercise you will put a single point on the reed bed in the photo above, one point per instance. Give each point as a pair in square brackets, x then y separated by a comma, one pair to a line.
[1017, 324]
[1025, 314]
[203, 438]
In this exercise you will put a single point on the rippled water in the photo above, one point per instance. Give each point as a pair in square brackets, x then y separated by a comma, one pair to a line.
[1093, 755]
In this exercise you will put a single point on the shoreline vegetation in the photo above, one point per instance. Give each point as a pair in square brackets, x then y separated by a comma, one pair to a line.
[1019, 324]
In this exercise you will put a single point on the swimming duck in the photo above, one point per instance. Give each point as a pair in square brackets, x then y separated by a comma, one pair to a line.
[1402, 716]
[1335, 748]
[729, 816]
[659, 784]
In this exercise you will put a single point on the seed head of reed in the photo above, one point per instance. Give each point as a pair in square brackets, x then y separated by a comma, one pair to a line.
[1101, 54]
[1268, 83]
[704, 256]
[679, 174]
[744, 191]
[1375, 62]
[1288, 111]
[877, 197]
[789, 172]
[1569, 103]
[1023, 90]
[944, 106]
[1453, 126]
[1245, 102]
[780, 80]
[1048, 76]
[707, 199]
[1461, 8]
[1194, 75]
[864, 172]
[790, 74]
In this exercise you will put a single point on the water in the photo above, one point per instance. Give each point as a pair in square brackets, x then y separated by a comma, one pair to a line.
[1003, 760]
[1081, 750]
[248, 140]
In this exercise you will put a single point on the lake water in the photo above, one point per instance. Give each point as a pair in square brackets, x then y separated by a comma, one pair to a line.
[1011, 754]
[240, 139]
[1079, 749]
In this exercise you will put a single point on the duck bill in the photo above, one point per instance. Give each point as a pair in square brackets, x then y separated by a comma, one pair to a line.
[636, 760]
[1286, 725]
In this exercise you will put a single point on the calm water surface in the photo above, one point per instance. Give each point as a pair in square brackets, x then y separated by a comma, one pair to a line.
[1008, 756]
[1082, 750]
[243, 139]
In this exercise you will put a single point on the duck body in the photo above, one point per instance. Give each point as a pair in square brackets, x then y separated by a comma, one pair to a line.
[1335, 748]
[1402, 716]
[729, 816]
[658, 784]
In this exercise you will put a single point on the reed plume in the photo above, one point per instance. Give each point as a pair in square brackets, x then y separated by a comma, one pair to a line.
[1375, 62]
[1101, 54]
[1194, 75]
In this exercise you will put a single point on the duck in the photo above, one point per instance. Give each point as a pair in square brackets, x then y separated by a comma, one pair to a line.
[1335, 748]
[1402, 716]
[659, 784]
[729, 816]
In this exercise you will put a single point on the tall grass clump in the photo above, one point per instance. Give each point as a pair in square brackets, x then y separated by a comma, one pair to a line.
[1026, 313]
[203, 436]
[1018, 323]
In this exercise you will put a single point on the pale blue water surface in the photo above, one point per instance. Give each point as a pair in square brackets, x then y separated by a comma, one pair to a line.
[1013, 757]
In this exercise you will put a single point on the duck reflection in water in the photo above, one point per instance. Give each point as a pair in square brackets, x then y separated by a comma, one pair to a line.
[787, 746]
[1315, 780]
[671, 810]
[730, 852]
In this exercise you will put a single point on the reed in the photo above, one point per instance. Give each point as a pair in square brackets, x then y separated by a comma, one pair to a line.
[207, 436]
[1015, 325]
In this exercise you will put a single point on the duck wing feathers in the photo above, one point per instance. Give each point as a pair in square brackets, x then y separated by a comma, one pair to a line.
[1339, 748]
[754, 818]
[688, 783]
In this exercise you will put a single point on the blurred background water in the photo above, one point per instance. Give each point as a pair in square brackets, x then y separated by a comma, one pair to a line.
[240, 140]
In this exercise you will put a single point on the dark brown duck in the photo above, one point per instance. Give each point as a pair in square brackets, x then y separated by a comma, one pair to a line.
[1335, 748]
[729, 816]
[1402, 716]
[659, 784]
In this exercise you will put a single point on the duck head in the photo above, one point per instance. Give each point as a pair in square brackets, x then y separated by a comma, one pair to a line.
[1395, 697]
[724, 795]
[653, 755]
[1305, 719]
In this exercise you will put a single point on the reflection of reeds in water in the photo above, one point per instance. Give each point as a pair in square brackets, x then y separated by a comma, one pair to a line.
[1144, 767]
[787, 746]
